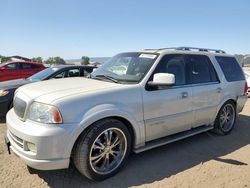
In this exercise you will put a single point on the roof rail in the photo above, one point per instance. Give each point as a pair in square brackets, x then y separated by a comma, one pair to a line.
[201, 49]
[191, 48]
[157, 49]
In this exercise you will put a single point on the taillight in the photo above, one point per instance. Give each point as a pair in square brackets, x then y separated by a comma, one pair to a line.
[245, 88]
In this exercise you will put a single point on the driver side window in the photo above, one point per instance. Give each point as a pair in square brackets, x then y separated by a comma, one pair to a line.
[174, 64]
[12, 66]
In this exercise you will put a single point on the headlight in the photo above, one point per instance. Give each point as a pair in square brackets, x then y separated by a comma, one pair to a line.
[44, 113]
[3, 93]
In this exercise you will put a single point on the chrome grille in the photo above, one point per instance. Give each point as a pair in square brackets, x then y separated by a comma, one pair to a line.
[19, 107]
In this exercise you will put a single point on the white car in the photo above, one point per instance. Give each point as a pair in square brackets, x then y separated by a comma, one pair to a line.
[247, 75]
[163, 96]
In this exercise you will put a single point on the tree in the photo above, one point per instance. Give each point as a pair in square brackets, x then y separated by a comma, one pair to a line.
[55, 60]
[85, 60]
[4, 59]
[37, 59]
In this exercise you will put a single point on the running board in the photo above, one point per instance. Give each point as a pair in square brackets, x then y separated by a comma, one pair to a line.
[173, 138]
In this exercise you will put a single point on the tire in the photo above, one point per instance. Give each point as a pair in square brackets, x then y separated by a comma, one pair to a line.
[102, 150]
[226, 118]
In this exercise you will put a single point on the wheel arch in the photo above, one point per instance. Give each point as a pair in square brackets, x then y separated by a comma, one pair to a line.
[87, 124]
[225, 100]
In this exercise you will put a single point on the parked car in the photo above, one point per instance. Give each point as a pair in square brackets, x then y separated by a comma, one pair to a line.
[19, 69]
[8, 88]
[134, 102]
[247, 75]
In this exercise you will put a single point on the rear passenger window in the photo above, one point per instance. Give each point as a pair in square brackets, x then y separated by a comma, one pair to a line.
[28, 66]
[230, 68]
[201, 70]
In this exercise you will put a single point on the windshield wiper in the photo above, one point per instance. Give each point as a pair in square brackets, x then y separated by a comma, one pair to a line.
[107, 77]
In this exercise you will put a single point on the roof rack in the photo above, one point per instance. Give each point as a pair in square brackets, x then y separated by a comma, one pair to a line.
[191, 48]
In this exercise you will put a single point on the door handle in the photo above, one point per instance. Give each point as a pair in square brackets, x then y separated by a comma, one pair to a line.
[184, 95]
[219, 89]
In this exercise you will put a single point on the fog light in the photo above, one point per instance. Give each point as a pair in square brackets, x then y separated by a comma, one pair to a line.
[31, 147]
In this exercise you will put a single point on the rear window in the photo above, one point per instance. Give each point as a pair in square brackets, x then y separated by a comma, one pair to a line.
[230, 68]
[29, 66]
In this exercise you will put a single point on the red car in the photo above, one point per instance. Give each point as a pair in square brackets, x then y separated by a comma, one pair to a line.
[19, 69]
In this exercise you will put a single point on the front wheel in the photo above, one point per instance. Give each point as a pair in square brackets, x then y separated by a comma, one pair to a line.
[103, 150]
[225, 119]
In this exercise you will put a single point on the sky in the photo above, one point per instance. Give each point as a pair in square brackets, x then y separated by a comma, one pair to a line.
[102, 28]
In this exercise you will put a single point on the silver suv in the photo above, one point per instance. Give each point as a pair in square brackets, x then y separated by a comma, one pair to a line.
[134, 102]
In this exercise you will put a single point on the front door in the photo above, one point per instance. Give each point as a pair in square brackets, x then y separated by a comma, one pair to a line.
[168, 110]
[10, 72]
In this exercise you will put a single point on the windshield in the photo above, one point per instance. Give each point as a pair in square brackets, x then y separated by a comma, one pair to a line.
[43, 74]
[126, 67]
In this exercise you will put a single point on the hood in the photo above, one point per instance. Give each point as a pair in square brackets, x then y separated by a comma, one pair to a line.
[50, 90]
[12, 84]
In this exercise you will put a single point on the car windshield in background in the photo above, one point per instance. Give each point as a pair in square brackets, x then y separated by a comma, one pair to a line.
[126, 67]
[43, 74]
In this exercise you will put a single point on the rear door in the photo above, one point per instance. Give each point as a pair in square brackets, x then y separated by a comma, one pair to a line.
[206, 89]
[28, 69]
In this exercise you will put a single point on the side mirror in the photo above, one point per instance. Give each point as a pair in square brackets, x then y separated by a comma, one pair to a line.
[162, 79]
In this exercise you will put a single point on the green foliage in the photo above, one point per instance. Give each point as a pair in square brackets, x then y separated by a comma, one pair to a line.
[4, 59]
[37, 59]
[85, 60]
[55, 60]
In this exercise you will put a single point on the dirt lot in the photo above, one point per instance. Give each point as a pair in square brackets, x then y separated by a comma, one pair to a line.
[205, 160]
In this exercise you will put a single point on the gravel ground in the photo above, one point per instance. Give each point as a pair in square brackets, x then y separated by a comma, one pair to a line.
[205, 160]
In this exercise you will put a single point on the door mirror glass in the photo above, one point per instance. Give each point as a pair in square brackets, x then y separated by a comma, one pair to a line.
[162, 79]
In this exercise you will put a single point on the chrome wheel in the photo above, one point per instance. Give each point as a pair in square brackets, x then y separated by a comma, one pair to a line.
[108, 151]
[227, 117]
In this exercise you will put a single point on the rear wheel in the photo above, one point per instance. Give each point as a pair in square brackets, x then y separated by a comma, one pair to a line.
[103, 150]
[225, 119]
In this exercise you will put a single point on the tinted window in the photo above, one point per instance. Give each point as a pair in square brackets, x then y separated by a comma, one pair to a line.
[200, 69]
[230, 68]
[28, 66]
[174, 64]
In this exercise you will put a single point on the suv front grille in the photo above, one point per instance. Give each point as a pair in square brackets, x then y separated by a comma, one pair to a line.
[19, 107]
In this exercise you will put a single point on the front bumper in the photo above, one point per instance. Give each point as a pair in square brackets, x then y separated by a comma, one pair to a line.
[51, 142]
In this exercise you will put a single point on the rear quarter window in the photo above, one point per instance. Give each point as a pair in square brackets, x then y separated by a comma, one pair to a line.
[230, 68]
